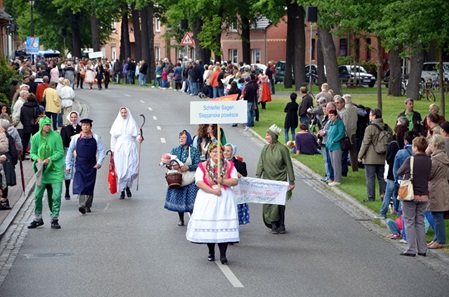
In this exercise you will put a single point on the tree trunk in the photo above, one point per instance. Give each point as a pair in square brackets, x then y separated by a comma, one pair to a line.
[76, 35]
[200, 52]
[290, 47]
[320, 63]
[125, 48]
[379, 73]
[414, 80]
[246, 40]
[330, 59]
[94, 31]
[299, 64]
[395, 81]
[137, 34]
[150, 45]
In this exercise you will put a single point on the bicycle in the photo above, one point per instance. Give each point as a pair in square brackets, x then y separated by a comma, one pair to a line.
[426, 92]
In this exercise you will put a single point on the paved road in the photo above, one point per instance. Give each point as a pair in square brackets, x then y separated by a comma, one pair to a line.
[133, 247]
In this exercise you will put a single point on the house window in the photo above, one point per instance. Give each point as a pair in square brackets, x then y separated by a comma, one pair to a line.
[357, 49]
[313, 49]
[113, 53]
[157, 25]
[157, 53]
[255, 55]
[233, 56]
[343, 47]
[233, 26]
[368, 48]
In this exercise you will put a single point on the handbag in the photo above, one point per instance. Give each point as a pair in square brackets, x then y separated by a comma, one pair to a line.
[405, 192]
[188, 177]
[345, 143]
[174, 179]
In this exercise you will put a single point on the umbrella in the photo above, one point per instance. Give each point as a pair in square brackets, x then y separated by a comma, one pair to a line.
[112, 177]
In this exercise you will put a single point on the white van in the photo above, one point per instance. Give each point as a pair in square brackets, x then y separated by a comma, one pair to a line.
[430, 71]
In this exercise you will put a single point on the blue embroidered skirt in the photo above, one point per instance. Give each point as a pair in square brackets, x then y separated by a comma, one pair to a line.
[181, 200]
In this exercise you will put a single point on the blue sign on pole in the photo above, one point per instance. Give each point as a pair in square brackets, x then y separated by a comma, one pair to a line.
[32, 45]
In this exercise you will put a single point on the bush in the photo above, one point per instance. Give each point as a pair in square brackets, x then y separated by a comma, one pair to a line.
[7, 73]
[370, 67]
[345, 60]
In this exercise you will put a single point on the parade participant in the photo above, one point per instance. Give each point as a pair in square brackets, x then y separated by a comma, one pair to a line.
[66, 133]
[86, 144]
[275, 164]
[229, 154]
[181, 200]
[124, 133]
[47, 152]
[67, 96]
[214, 219]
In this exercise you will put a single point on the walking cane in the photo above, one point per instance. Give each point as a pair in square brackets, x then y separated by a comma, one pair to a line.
[140, 149]
[21, 174]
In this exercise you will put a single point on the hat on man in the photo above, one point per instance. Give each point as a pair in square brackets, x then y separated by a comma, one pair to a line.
[86, 120]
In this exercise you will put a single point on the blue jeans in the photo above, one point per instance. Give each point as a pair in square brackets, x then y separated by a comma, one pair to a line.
[292, 131]
[215, 92]
[328, 165]
[250, 119]
[142, 79]
[440, 231]
[194, 87]
[220, 92]
[393, 226]
[391, 192]
[158, 81]
[305, 120]
[54, 119]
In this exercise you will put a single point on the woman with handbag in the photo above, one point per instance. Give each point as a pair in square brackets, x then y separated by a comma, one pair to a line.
[438, 187]
[182, 200]
[215, 219]
[414, 210]
[124, 134]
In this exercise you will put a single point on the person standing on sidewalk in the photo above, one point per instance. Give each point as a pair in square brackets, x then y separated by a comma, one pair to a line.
[275, 163]
[86, 144]
[47, 152]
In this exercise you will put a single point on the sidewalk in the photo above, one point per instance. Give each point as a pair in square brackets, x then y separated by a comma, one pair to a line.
[16, 195]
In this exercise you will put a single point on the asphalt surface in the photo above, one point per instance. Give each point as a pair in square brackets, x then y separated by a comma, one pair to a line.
[133, 247]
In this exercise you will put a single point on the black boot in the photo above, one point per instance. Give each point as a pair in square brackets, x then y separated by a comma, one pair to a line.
[122, 195]
[181, 219]
[211, 256]
[281, 228]
[67, 189]
[274, 228]
[223, 247]
[128, 192]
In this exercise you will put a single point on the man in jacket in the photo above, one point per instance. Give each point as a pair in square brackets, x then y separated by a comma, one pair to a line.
[250, 97]
[374, 162]
[414, 118]
[306, 103]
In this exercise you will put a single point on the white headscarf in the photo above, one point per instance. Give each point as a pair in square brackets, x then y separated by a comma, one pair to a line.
[127, 127]
[77, 118]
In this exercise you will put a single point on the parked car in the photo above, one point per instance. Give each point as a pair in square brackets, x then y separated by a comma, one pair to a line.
[280, 72]
[258, 67]
[430, 71]
[361, 76]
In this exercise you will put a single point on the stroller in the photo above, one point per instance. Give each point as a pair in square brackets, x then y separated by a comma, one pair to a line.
[204, 93]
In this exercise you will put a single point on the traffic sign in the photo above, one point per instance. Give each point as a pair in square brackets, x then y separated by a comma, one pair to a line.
[187, 40]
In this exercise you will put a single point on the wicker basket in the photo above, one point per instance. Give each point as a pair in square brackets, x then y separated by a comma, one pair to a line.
[174, 179]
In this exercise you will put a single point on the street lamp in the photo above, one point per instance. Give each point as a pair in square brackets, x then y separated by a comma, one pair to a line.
[32, 18]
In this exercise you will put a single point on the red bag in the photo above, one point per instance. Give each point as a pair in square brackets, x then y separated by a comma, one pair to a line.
[112, 180]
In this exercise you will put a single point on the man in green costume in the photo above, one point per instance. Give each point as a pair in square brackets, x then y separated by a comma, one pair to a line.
[275, 163]
[47, 152]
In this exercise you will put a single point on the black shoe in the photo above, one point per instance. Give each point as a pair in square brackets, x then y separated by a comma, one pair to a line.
[35, 224]
[422, 254]
[211, 257]
[122, 195]
[82, 209]
[274, 230]
[234, 125]
[281, 230]
[368, 200]
[55, 224]
[67, 196]
[181, 223]
[223, 260]
[407, 254]
[88, 209]
[128, 192]
[4, 205]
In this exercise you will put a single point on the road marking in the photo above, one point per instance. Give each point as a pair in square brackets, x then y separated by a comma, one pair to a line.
[158, 128]
[126, 95]
[163, 140]
[142, 101]
[229, 275]
[155, 118]
[150, 109]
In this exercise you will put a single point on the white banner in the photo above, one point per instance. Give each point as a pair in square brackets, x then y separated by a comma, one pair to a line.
[264, 191]
[218, 112]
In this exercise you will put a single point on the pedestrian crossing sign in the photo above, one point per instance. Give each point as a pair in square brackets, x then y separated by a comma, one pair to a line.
[187, 40]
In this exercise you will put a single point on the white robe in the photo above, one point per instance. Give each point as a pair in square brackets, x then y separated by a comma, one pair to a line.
[124, 133]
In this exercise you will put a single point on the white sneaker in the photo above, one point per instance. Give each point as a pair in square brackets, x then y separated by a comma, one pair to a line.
[403, 241]
[152, 87]
[333, 184]
[246, 128]
[379, 216]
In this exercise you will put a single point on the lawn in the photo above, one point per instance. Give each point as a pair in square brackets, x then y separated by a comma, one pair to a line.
[355, 183]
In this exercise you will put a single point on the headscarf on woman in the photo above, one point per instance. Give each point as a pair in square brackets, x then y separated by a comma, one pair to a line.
[123, 126]
[189, 140]
[77, 119]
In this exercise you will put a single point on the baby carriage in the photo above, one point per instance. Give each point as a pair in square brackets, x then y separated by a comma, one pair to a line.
[204, 91]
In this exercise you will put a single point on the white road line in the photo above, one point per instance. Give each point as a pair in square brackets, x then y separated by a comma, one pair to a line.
[163, 140]
[142, 101]
[126, 95]
[155, 118]
[158, 128]
[150, 109]
[229, 275]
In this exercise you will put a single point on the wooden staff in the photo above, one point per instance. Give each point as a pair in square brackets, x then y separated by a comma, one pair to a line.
[219, 152]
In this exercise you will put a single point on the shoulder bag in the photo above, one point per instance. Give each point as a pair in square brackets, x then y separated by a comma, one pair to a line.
[188, 177]
[345, 143]
[405, 192]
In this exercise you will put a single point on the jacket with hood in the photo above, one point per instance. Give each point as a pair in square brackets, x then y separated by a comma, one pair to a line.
[438, 185]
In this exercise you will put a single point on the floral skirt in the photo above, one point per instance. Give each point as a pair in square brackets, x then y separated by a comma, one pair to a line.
[181, 200]
[243, 211]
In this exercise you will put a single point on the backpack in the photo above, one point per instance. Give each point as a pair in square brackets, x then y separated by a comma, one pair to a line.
[384, 138]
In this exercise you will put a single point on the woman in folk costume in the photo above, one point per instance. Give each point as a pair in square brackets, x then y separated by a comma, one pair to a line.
[67, 133]
[124, 133]
[264, 89]
[229, 153]
[214, 219]
[90, 74]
